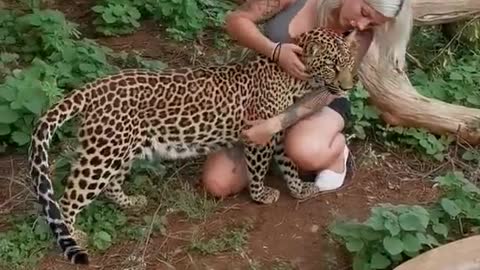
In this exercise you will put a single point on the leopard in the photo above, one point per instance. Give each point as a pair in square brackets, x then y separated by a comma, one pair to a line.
[176, 113]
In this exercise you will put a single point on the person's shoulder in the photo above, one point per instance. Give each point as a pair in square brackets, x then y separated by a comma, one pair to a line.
[260, 10]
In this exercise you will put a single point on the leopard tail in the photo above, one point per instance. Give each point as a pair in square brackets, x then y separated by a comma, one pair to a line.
[70, 106]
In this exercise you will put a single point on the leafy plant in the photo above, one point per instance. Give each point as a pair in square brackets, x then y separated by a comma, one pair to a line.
[394, 233]
[116, 17]
[23, 245]
[49, 60]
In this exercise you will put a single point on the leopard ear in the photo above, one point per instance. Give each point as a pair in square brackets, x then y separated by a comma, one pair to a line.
[313, 49]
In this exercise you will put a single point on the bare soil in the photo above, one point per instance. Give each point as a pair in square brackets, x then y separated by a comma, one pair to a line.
[289, 231]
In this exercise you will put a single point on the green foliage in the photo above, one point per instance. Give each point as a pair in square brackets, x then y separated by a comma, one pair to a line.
[183, 18]
[23, 245]
[228, 240]
[366, 122]
[47, 61]
[364, 116]
[105, 225]
[394, 233]
[116, 17]
[457, 83]
[54, 61]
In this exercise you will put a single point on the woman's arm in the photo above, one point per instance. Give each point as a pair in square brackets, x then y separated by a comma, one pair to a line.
[262, 131]
[241, 24]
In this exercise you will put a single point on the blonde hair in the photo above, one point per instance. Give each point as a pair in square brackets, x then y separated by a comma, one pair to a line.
[390, 38]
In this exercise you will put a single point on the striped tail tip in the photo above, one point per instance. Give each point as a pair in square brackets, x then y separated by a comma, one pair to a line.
[77, 256]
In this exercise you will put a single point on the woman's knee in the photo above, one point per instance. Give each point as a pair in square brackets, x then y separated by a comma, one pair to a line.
[223, 176]
[313, 149]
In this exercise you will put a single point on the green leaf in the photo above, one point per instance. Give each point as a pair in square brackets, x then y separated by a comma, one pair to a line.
[470, 155]
[393, 245]
[108, 17]
[360, 262]
[20, 138]
[376, 222]
[354, 245]
[410, 222]
[370, 234]
[102, 240]
[379, 261]
[422, 238]
[98, 9]
[474, 99]
[391, 224]
[8, 90]
[346, 229]
[134, 13]
[85, 67]
[360, 132]
[456, 76]
[411, 243]
[440, 229]
[119, 10]
[7, 115]
[432, 241]
[4, 129]
[450, 207]
[35, 105]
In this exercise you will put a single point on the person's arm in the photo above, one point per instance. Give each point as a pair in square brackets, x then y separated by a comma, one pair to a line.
[241, 24]
[262, 131]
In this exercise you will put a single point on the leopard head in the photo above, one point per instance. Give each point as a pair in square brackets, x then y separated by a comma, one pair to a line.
[329, 57]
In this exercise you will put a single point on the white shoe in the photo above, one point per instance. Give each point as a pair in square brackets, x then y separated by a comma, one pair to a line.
[329, 180]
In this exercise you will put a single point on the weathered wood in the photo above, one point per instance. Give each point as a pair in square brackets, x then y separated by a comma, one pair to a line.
[463, 254]
[429, 12]
[393, 94]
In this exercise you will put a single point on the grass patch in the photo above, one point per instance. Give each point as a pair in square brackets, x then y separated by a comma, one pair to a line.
[233, 239]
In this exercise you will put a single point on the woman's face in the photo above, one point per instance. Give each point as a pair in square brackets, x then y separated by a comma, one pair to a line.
[359, 14]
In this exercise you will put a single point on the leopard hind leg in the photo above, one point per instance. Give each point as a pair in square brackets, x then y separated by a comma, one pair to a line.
[258, 160]
[115, 192]
[298, 188]
[88, 177]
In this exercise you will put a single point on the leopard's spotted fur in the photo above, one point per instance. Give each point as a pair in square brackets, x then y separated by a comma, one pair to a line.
[176, 114]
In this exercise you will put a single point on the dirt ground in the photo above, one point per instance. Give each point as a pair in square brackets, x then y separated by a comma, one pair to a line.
[288, 231]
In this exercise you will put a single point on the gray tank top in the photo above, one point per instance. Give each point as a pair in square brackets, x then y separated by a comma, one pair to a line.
[276, 28]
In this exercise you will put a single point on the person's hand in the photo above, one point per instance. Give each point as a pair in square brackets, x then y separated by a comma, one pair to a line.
[259, 133]
[288, 59]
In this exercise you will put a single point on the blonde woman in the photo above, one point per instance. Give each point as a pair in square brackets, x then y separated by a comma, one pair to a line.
[316, 144]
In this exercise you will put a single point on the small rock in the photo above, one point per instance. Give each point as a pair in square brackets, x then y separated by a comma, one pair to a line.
[314, 228]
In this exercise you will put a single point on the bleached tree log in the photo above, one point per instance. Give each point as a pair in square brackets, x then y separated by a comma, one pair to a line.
[462, 254]
[393, 94]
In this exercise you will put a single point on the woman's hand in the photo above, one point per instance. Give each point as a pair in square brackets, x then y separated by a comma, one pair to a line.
[290, 62]
[260, 131]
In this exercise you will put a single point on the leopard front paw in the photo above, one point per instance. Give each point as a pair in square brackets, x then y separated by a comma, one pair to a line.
[267, 195]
